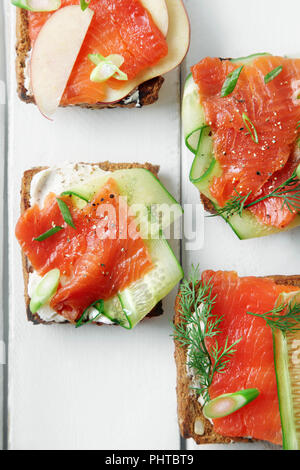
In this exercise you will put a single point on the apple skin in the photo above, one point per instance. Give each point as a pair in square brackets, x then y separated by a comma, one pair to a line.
[54, 54]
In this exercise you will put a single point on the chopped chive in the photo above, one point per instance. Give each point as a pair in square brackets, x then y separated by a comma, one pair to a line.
[99, 305]
[84, 4]
[48, 234]
[273, 74]
[251, 129]
[229, 403]
[107, 67]
[230, 82]
[65, 212]
[298, 125]
[73, 193]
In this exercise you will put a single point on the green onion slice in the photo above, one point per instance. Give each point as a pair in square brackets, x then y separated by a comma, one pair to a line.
[37, 5]
[84, 4]
[273, 74]
[298, 171]
[230, 82]
[45, 289]
[228, 403]
[251, 128]
[73, 193]
[48, 234]
[98, 305]
[107, 67]
[65, 212]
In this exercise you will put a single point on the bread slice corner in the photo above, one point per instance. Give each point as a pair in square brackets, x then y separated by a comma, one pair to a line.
[148, 91]
[192, 423]
[25, 204]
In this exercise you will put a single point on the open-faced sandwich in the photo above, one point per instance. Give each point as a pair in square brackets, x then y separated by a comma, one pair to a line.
[97, 53]
[238, 358]
[242, 121]
[92, 243]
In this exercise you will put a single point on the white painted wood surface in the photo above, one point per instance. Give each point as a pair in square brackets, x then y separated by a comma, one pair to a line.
[236, 28]
[107, 388]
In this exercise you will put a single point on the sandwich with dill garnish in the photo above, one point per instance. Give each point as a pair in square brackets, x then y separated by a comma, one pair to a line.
[241, 120]
[236, 377]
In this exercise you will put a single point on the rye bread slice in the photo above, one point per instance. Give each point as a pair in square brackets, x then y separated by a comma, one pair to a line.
[188, 408]
[25, 204]
[148, 91]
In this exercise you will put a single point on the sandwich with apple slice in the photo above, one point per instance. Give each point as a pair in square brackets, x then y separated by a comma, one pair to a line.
[97, 54]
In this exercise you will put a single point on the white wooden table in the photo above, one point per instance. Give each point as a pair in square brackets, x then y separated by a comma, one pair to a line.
[106, 388]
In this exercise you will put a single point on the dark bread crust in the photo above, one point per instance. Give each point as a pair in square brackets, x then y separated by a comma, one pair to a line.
[25, 204]
[148, 91]
[188, 407]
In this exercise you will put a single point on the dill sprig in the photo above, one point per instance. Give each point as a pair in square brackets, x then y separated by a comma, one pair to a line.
[289, 322]
[235, 205]
[197, 324]
[288, 191]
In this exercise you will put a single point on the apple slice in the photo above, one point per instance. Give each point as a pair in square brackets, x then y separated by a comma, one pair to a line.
[159, 12]
[37, 5]
[178, 40]
[54, 54]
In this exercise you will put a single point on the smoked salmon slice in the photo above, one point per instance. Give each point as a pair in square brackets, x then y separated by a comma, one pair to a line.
[253, 166]
[101, 256]
[121, 27]
[252, 365]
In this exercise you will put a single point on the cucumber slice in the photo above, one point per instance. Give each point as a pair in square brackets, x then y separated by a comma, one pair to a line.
[146, 196]
[113, 310]
[45, 289]
[205, 167]
[287, 367]
[193, 116]
[132, 304]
